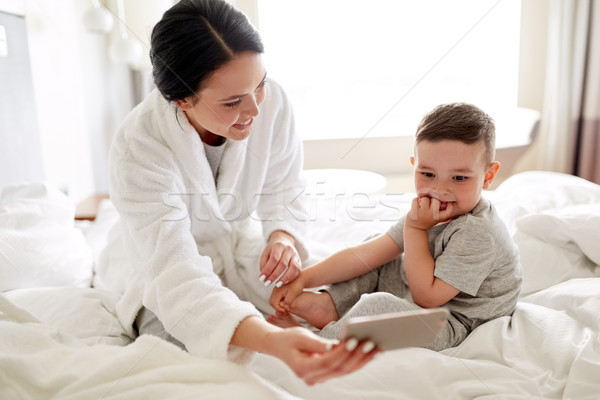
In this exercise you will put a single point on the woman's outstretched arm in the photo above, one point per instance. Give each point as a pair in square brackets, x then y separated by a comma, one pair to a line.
[312, 358]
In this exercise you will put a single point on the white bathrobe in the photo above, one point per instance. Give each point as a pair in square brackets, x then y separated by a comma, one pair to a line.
[181, 237]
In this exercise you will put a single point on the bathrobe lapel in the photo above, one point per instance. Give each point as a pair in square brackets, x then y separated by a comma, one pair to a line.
[214, 207]
[230, 197]
[189, 152]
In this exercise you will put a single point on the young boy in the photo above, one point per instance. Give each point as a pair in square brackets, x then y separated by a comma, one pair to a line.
[451, 249]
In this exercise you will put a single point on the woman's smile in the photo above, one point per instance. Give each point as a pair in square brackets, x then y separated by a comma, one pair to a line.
[242, 126]
[229, 100]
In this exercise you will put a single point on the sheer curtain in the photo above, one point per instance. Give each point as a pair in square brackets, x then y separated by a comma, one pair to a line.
[570, 125]
[587, 135]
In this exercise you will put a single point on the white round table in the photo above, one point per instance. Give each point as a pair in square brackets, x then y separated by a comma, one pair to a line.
[330, 182]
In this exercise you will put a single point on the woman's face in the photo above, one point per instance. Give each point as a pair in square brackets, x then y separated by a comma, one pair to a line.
[229, 101]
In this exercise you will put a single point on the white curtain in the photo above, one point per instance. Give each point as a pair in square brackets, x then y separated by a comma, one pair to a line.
[571, 88]
[587, 137]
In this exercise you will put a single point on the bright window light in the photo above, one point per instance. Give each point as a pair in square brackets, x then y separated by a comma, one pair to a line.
[373, 68]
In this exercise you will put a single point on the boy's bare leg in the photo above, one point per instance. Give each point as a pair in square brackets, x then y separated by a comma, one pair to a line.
[316, 308]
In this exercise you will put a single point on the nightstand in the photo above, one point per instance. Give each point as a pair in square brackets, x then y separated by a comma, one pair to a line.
[331, 182]
[88, 208]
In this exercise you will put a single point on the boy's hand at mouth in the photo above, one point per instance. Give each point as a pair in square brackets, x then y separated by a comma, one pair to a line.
[426, 212]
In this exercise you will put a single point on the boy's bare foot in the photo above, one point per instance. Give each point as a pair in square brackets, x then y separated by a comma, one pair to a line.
[283, 320]
[316, 308]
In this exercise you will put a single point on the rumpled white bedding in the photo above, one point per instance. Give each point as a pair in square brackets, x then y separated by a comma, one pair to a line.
[39, 245]
[39, 361]
[549, 349]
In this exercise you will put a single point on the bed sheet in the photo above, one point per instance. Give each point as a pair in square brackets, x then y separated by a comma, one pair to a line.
[66, 342]
[42, 361]
[39, 244]
[549, 349]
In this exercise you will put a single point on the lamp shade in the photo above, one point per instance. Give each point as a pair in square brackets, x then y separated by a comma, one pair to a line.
[98, 19]
[126, 50]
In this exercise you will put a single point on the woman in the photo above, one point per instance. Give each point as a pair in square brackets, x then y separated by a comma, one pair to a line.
[211, 150]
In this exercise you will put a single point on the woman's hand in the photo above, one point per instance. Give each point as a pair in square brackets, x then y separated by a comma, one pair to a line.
[280, 255]
[312, 358]
[316, 360]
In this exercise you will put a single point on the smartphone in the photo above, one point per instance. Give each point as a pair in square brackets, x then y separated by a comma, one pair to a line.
[390, 331]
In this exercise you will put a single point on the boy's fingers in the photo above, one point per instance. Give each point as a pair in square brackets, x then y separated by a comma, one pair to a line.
[276, 299]
[280, 314]
[447, 213]
[288, 300]
[435, 209]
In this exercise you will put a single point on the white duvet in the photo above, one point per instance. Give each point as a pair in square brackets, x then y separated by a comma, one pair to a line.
[548, 349]
[39, 361]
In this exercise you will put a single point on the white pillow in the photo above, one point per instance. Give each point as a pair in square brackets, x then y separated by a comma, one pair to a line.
[577, 225]
[545, 265]
[39, 244]
[85, 313]
[578, 298]
[558, 244]
[536, 191]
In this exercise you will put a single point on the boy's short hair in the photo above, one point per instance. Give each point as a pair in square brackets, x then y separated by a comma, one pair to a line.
[459, 121]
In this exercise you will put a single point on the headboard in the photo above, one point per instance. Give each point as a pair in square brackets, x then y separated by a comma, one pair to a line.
[20, 149]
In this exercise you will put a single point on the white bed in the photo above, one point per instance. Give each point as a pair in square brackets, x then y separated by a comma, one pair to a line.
[60, 339]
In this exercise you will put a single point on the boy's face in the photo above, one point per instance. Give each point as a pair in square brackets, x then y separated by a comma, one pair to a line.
[452, 172]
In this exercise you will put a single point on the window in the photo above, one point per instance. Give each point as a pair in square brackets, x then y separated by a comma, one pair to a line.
[373, 68]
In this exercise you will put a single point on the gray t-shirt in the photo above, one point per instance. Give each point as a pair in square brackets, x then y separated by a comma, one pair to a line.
[214, 154]
[475, 254]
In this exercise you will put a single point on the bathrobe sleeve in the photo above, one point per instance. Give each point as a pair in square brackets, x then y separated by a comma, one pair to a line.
[286, 205]
[179, 284]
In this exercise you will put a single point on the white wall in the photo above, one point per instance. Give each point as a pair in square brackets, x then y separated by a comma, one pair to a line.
[532, 68]
[81, 96]
[59, 95]
[389, 156]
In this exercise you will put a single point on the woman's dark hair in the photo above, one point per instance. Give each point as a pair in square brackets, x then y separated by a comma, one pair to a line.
[195, 38]
[459, 121]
